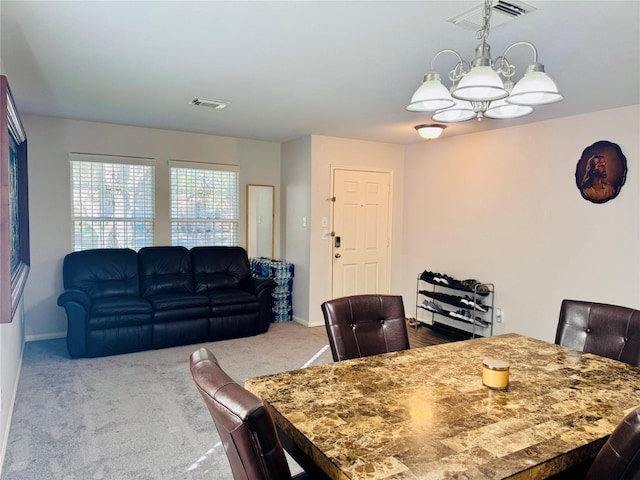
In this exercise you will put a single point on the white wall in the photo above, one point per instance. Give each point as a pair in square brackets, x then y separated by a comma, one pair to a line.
[328, 152]
[296, 205]
[306, 179]
[11, 346]
[51, 140]
[502, 206]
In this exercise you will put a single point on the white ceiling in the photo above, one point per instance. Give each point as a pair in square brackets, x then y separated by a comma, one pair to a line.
[293, 68]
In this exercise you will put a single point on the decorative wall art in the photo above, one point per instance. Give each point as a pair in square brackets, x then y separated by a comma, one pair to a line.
[601, 172]
[14, 206]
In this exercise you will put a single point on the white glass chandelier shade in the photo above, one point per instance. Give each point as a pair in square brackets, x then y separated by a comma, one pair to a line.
[430, 131]
[502, 110]
[481, 84]
[460, 112]
[431, 95]
[535, 88]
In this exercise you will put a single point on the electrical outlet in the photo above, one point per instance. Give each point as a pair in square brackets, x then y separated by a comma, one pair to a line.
[499, 315]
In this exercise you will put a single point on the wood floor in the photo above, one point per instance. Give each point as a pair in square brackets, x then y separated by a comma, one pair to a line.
[422, 336]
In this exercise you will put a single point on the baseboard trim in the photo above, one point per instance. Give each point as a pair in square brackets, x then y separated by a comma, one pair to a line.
[44, 336]
[307, 323]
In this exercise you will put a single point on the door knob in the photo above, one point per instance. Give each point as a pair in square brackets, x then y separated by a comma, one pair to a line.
[337, 255]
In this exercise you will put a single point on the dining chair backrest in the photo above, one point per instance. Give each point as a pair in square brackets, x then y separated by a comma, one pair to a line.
[245, 427]
[607, 330]
[363, 325]
[619, 458]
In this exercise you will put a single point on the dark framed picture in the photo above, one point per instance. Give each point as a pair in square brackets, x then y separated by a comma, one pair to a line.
[601, 172]
[14, 206]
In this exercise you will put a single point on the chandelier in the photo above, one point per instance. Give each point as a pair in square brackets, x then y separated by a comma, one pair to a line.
[484, 87]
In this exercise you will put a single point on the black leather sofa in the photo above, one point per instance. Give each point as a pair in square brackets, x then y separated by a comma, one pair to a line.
[119, 301]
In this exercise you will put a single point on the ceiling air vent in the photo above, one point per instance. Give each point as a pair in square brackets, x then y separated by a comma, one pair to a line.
[208, 102]
[502, 13]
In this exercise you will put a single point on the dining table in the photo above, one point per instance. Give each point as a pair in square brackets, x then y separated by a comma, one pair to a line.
[424, 413]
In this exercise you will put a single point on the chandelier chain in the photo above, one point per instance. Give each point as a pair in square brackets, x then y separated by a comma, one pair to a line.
[483, 33]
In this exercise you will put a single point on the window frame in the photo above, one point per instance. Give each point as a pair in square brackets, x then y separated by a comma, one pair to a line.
[234, 222]
[113, 160]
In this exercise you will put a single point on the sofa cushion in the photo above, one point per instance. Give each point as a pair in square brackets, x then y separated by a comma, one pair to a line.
[229, 302]
[119, 305]
[165, 270]
[230, 296]
[176, 301]
[102, 272]
[219, 267]
[120, 322]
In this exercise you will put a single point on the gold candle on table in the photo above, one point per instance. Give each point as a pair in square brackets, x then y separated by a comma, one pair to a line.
[495, 374]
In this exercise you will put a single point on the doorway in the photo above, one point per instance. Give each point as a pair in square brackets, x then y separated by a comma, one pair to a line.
[361, 241]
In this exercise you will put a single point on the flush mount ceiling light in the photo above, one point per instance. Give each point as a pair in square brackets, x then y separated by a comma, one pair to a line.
[430, 131]
[484, 87]
[208, 102]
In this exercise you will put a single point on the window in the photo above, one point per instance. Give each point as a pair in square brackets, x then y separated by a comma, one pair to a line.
[204, 206]
[113, 205]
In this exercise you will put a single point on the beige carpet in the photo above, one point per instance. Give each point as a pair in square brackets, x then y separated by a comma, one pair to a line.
[135, 416]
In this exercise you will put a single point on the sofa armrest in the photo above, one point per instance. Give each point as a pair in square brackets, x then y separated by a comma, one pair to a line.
[263, 288]
[259, 284]
[77, 296]
[76, 304]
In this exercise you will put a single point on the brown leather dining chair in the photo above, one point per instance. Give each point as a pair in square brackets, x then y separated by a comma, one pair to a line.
[607, 330]
[245, 427]
[619, 458]
[363, 325]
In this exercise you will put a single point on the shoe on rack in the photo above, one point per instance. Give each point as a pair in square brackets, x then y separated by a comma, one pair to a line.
[481, 323]
[461, 315]
[466, 300]
[427, 276]
[443, 279]
[432, 307]
[476, 286]
[470, 283]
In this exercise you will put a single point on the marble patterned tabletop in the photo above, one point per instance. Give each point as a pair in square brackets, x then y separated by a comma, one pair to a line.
[424, 413]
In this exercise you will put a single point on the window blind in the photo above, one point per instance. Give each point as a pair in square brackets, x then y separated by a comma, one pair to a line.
[112, 205]
[204, 207]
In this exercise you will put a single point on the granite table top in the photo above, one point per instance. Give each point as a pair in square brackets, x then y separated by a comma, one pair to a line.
[425, 414]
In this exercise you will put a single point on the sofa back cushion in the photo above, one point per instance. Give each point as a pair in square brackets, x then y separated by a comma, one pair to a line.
[165, 270]
[102, 272]
[219, 267]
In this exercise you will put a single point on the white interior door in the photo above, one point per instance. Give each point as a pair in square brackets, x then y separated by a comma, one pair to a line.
[360, 252]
